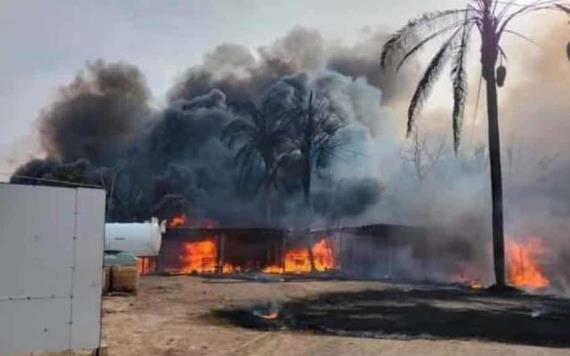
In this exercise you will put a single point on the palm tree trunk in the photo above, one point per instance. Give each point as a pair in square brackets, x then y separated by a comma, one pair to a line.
[307, 180]
[267, 192]
[489, 56]
[307, 171]
[268, 205]
[309, 132]
[309, 241]
[496, 177]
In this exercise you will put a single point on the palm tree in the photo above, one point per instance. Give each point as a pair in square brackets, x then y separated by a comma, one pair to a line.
[491, 19]
[315, 123]
[315, 127]
[259, 132]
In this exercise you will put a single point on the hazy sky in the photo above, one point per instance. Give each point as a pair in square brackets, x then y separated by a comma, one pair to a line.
[44, 43]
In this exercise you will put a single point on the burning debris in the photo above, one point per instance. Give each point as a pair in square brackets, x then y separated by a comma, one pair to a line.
[264, 315]
[269, 311]
[473, 283]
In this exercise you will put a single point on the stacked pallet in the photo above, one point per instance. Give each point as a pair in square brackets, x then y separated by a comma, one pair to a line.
[125, 279]
[120, 274]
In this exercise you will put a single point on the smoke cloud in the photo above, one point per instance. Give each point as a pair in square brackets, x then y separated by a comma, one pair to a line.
[95, 116]
[171, 160]
[161, 161]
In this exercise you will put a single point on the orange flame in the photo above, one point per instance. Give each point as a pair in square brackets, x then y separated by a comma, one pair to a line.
[274, 269]
[298, 261]
[469, 281]
[523, 271]
[145, 265]
[270, 316]
[183, 220]
[473, 283]
[177, 221]
[202, 257]
[199, 257]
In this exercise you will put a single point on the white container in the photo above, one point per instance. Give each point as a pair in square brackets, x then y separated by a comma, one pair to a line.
[51, 253]
[140, 239]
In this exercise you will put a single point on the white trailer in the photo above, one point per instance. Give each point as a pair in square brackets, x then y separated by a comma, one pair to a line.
[51, 255]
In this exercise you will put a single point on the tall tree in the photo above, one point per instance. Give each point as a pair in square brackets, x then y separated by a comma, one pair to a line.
[491, 20]
[258, 131]
[315, 123]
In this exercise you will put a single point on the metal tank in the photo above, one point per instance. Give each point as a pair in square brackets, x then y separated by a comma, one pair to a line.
[140, 239]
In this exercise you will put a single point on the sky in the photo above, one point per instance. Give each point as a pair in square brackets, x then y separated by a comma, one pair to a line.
[45, 43]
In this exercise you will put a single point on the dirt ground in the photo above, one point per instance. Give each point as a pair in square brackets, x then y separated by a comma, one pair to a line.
[173, 316]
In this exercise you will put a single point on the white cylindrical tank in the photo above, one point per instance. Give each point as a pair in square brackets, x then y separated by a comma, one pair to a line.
[141, 239]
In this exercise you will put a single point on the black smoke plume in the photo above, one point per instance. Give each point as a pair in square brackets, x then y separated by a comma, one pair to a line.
[172, 160]
[96, 115]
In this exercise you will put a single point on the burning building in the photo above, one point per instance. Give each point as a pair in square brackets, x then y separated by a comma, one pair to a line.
[370, 251]
[378, 251]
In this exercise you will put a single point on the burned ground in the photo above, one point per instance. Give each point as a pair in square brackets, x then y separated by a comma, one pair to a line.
[180, 316]
[432, 312]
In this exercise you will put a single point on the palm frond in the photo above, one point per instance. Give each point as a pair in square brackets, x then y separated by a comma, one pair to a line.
[476, 109]
[244, 154]
[502, 53]
[506, 9]
[238, 128]
[426, 40]
[459, 80]
[564, 8]
[246, 160]
[495, 6]
[521, 36]
[398, 43]
[533, 7]
[426, 83]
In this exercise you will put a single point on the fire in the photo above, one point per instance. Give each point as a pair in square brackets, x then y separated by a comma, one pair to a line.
[471, 282]
[522, 268]
[199, 257]
[202, 257]
[475, 284]
[228, 268]
[177, 221]
[273, 269]
[145, 265]
[183, 220]
[298, 261]
[270, 316]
